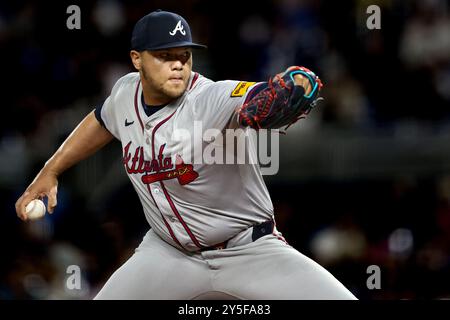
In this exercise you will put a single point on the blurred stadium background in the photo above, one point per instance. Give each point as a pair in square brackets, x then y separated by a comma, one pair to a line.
[365, 180]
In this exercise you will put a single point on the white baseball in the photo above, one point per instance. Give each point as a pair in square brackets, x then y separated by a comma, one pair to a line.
[35, 209]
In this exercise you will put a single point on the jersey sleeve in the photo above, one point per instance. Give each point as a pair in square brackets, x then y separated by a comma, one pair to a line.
[98, 113]
[216, 104]
[107, 112]
[106, 116]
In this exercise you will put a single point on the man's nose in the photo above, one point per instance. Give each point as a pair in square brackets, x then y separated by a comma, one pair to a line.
[177, 64]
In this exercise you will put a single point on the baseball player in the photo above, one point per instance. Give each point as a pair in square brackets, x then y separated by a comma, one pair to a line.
[213, 232]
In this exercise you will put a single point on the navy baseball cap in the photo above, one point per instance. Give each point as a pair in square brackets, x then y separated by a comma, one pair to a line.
[162, 30]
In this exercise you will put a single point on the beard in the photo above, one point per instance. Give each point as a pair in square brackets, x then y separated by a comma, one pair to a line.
[164, 90]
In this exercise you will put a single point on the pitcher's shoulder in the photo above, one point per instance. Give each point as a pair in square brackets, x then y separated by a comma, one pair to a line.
[131, 78]
[126, 84]
[198, 82]
[231, 89]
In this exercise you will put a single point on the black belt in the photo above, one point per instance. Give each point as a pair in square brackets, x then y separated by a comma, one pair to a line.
[259, 230]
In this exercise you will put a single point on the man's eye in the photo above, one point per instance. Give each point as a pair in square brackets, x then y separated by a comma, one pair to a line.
[163, 55]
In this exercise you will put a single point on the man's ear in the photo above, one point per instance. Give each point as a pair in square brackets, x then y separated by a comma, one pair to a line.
[136, 59]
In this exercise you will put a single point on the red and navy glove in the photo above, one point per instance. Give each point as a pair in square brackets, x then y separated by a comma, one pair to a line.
[282, 102]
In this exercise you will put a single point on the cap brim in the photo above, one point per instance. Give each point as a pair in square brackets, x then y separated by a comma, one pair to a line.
[178, 45]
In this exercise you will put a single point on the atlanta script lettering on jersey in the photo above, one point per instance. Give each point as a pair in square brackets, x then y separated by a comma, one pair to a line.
[157, 169]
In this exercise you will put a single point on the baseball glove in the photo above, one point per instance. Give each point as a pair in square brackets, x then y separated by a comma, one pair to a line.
[282, 103]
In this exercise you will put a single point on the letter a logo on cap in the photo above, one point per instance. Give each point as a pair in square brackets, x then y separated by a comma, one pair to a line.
[179, 27]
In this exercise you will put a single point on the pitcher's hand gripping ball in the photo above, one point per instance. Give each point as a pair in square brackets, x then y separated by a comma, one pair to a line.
[35, 209]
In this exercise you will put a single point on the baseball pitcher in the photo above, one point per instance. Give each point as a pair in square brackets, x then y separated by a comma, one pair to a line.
[213, 233]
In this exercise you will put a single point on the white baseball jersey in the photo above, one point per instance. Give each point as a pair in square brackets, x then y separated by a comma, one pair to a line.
[188, 204]
[194, 205]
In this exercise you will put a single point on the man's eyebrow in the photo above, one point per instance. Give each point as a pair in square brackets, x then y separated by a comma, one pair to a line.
[172, 53]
